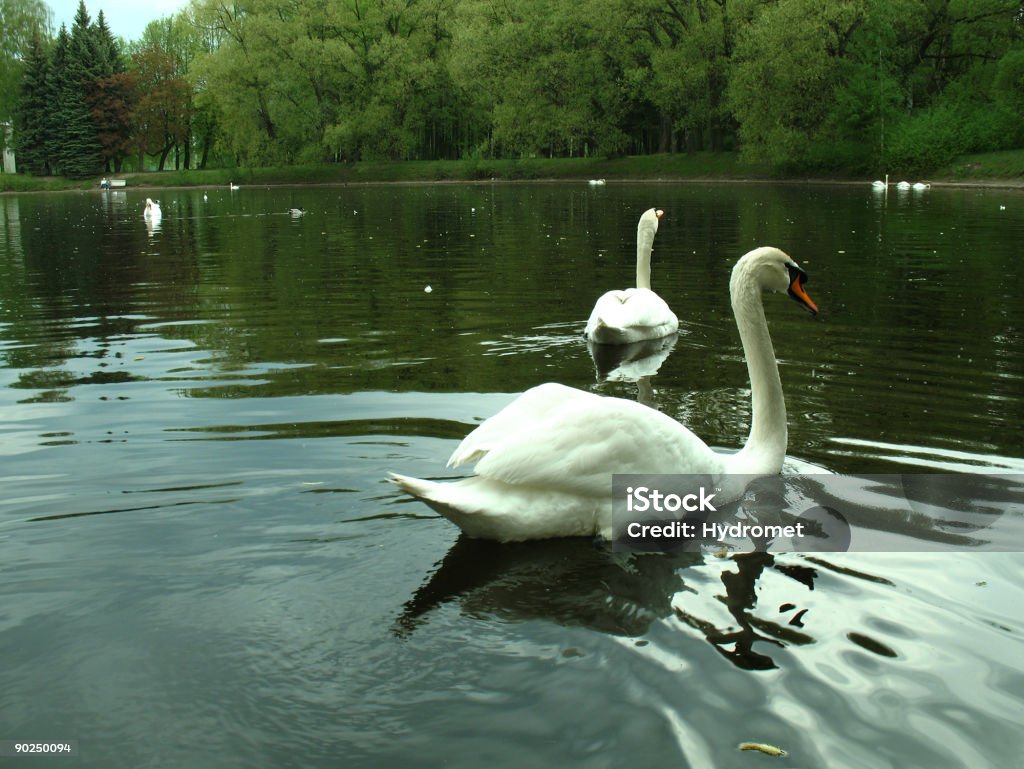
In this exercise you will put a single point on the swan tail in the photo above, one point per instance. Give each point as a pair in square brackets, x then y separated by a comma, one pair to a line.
[487, 509]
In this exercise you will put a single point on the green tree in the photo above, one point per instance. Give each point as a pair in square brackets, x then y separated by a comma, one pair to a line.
[20, 22]
[544, 74]
[785, 74]
[31, 121]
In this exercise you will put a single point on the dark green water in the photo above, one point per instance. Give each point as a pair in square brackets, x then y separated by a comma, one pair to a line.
[202, 565]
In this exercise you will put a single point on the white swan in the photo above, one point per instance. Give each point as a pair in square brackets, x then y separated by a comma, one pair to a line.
[597, 182]
[903, 185]
[878, 184]
[297, 212]
[920, 186]
[232, 186]
[636, 314]
[152, 211]
[544, 462]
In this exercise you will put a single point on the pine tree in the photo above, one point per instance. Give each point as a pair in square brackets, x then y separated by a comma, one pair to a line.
[31, 121]
[80, 153]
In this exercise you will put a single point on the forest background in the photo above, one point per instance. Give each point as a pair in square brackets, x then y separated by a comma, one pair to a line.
[850, 87]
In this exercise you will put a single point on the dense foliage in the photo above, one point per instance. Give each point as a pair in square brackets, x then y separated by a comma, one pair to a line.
[850, 85]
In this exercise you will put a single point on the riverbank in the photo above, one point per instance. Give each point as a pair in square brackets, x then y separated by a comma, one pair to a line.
[998, 169]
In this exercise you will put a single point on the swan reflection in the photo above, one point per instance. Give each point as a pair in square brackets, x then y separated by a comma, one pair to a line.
[584, 583]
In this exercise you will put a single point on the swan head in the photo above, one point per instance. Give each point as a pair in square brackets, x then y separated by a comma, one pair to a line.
[770, 269]
[650, 219]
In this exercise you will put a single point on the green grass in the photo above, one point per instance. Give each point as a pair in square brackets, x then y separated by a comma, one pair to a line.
[1005, 165]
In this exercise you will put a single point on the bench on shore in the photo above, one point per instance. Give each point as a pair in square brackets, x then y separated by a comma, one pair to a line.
[111, 184]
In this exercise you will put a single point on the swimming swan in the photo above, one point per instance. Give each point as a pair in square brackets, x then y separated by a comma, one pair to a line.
[636, 314]
[544, 462]
[152, 210]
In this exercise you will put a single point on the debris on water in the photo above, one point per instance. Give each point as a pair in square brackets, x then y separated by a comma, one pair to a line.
[770, 750]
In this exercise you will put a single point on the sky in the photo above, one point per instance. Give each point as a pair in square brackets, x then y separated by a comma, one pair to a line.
[126, 18]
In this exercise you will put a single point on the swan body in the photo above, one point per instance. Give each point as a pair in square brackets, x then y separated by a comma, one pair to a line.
[152, 211]
[634, 314]
[903, 185]
[919, 186]
[596, 182]
[878, 184]
[297, 212]
[544, 463]
[232, 186]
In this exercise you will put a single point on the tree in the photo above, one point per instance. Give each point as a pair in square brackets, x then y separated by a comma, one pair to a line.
[31, 121]
[785, 74]
[162, 104]
[21, 21]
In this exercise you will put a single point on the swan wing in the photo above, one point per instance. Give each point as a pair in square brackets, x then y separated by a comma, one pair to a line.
[576, 449]
[635, 312]
[536, 406]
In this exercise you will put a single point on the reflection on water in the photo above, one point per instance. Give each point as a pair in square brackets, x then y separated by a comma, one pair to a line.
[202, 560]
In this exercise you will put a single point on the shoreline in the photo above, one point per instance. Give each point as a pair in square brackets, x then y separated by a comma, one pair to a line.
[1006, 184]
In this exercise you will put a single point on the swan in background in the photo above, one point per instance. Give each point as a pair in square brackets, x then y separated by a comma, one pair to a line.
[596, 182]
[296, 212]
[544, 462]
[879, 184]
[636, 314]
[903, 186]
[152, 211]
[232, 186]
[919, 186]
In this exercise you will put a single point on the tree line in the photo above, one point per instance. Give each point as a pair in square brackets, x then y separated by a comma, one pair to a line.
[850, 85]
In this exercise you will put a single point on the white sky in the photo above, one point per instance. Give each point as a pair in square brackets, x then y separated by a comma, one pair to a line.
[126, 18]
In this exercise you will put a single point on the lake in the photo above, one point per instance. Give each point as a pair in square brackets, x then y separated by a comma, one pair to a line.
[204, 565]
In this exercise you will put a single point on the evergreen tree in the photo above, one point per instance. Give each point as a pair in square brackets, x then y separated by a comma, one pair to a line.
[31, 121]
[80, 153]
[110, 95]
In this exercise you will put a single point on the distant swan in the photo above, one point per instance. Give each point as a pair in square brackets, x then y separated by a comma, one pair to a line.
[544, 462]
[635, 314]
[297, 212]
[903, 186]
[921, 186]
[232, 186]
[596, 181]
[152, 211]
[878, 184]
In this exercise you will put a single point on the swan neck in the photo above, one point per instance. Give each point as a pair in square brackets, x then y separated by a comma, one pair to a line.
[644, 246]
[765, 449]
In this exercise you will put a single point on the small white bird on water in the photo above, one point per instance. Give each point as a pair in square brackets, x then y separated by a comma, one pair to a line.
[152, 210]
[232, 186]
[296, 212]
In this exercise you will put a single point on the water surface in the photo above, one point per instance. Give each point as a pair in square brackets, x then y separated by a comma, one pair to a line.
[203, 565]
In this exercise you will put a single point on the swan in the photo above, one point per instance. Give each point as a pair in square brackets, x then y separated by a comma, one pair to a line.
[878, 184]
[296, 212]
[543, 464]
[152, 211]
[232, 186]
[636, 314]
[919, 186]
[596, 182]
[903, 186]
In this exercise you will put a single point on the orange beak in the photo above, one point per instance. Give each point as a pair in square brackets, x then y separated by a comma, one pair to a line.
[796, 289]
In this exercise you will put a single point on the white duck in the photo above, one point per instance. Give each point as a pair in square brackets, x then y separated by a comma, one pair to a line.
[152, 211]
[635, 314]
[544, 462]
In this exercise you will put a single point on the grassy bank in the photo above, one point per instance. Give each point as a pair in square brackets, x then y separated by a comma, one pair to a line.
[998, 167]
